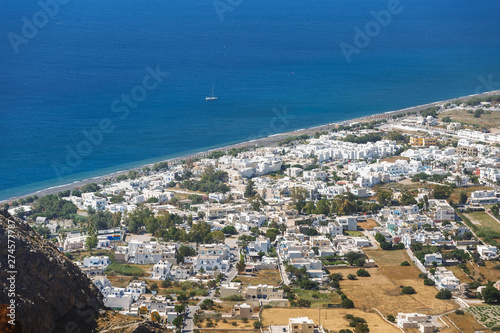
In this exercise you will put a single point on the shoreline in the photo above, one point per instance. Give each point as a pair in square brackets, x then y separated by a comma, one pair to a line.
[269, 141]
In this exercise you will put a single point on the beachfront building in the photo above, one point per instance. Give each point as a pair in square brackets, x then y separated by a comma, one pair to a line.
[423, 142]
[93, 201]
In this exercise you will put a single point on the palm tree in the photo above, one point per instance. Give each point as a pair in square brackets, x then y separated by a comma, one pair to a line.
[240, 266]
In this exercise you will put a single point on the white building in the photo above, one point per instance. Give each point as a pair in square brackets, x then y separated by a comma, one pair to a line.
[161, 270]
[487, 252]
[136, 288]
[433, 257]
[349, 223]
[97, 203]
[102, 261]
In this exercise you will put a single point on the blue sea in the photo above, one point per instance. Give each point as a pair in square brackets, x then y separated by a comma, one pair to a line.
[84, 88]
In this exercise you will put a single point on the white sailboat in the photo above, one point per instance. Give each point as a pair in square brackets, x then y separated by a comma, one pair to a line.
[211, 98]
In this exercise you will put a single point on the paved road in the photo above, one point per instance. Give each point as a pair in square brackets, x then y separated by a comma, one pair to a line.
[284, 275]
[188, 320]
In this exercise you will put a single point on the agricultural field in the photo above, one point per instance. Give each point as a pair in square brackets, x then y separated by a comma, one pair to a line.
[129, 269]
[269, 276]
[393, 159]
[489, 272]
[388, 258]
[119, 281]
[482, 219]
[455, 195]
[318, 299]
[80, 254]
[369, 224]
[354, 233]
[331, 319]
[218, 323]
[491, 119]
[487, 315]
[226, 306]
[382, 290]
[460, 274]
[466, 322]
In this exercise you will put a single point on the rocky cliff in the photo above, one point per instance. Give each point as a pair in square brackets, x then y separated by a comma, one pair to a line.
[51, 294]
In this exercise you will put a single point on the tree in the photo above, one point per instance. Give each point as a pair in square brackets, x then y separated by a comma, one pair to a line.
[272, 233]
[407, 199]
[90, 187]
[351, 256]
[442, 192]
[304, 303]
[384, 196]
[362, 272]
[490, 295]
[444, 294]
[299, 196]
[463, 197]
[240, 266]
[359, 262]
[347, 208]
[91, 242]
[177, 322]
[405, 263]
[446, 120]
[347, 303]
[207, 304]
[429, 282]
[20, 212]
[390, 318]
[323, 207]
[250, 189]
[361, 328]
[336, 276]
[257, 324]
[408, 290]
[218, 236]
[312, 232]
[229, 229]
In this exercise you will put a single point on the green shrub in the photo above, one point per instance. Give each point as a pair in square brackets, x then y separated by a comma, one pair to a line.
[362, 272]
[234, 298]
[405, 263]
[444, 294]
[429, 282]
[124, 269]
[408, 290]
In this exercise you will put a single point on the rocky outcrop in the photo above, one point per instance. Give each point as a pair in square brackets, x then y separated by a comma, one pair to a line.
[51, 293]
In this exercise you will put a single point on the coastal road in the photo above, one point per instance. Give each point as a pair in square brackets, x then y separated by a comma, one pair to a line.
[266, 141]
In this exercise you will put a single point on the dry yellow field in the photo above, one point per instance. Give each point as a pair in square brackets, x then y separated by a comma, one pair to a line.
[460, 274]
[487, 120]
[382, 290]
[265, 276]
[466, 323]
[332, 319]
[368, 224]
[229, 325]
[488, 271]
